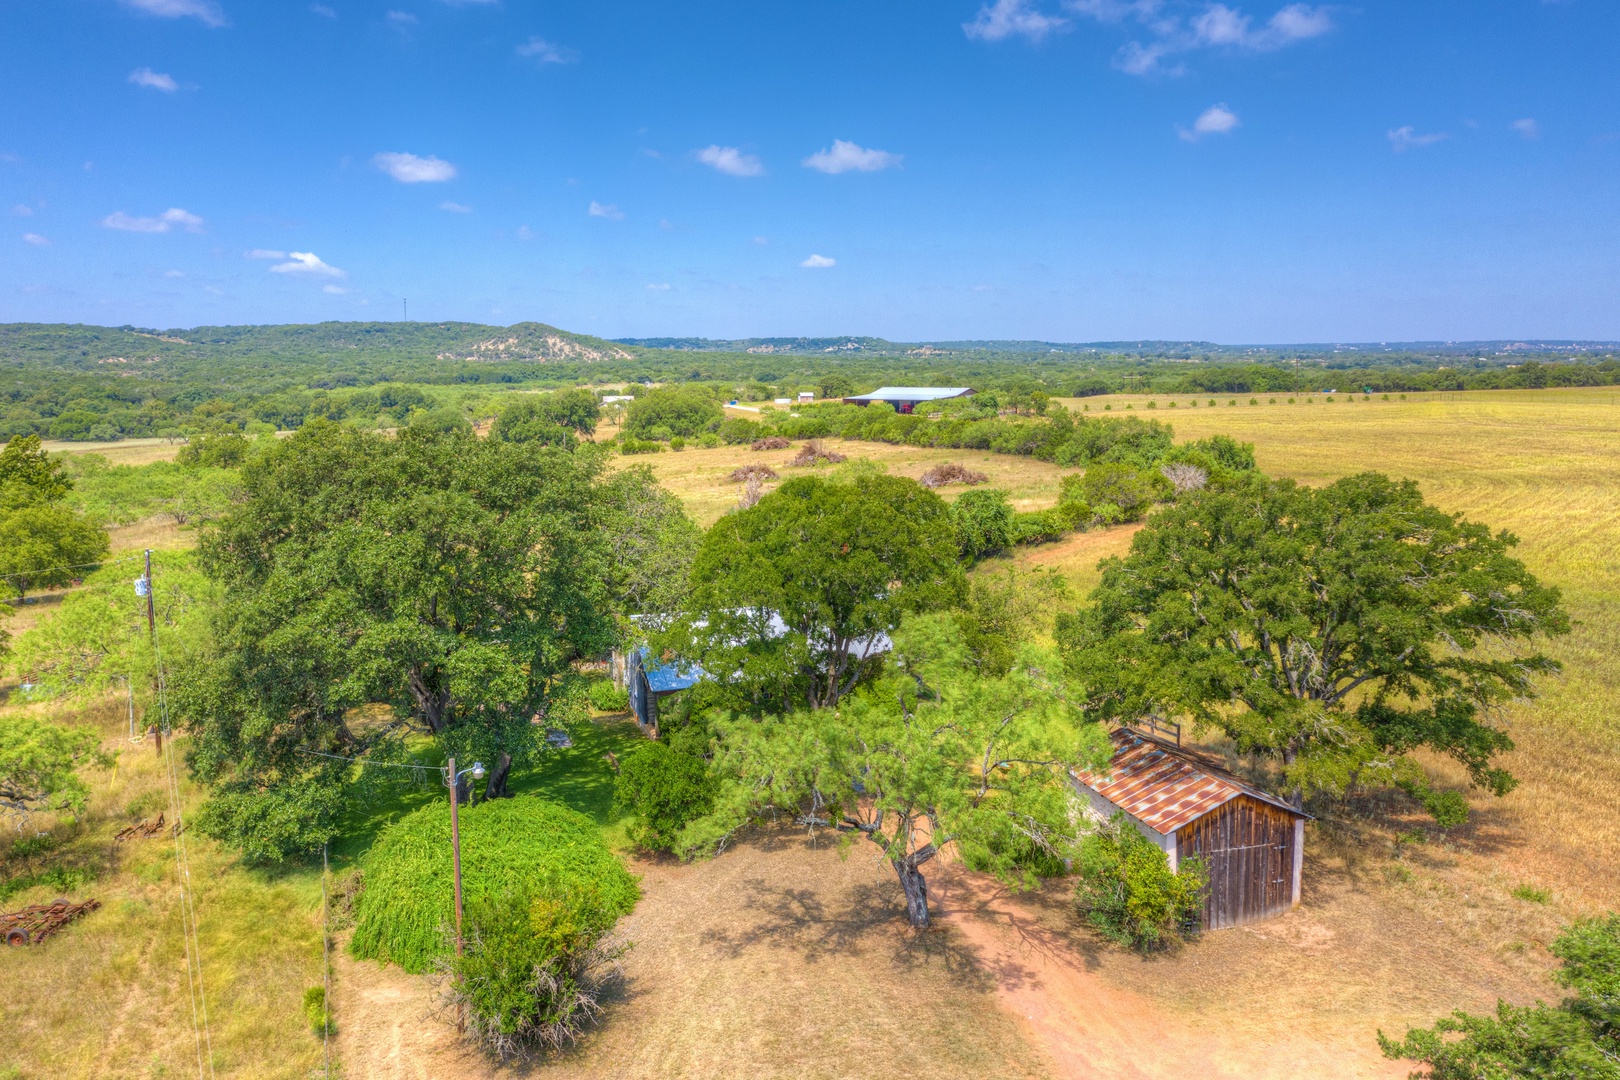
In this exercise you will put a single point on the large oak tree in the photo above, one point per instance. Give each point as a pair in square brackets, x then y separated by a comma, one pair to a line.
[449, 577]
[1336, 629]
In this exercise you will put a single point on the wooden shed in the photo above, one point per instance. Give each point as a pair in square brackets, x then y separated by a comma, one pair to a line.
[1252, 842]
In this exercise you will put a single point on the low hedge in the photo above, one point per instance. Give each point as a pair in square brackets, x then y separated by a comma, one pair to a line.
[524, 846]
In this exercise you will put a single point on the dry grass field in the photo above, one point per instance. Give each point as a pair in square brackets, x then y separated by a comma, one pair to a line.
[780, 960]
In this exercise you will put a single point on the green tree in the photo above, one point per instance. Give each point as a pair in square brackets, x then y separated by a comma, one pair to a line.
[552, 419]
[25, 463]
[46, 545]
[1336, 629]
[450, 577]
[983, 520]
[39, 764]
[664, 790]
[933, 752]
[1579, 1039]
[793, 594]
[1128, 892]
[651, 541]
[672, 410]
[1118, 492]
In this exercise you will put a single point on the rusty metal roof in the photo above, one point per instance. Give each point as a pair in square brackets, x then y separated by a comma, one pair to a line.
[1165, 787]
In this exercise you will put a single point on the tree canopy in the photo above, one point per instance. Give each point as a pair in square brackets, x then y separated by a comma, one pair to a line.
[672, 410]
[932, 752]
[450, 577]
[839, 563]
[1337, 629]
[43, 543]
[552, 418]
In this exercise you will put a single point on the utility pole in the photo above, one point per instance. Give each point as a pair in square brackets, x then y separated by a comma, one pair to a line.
[455, 857]
[405, 306]
[151, 614]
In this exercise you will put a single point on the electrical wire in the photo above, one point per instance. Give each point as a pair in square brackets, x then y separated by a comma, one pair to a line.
[188, 908]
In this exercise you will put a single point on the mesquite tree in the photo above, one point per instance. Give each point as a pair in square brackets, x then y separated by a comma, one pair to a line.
[934, 751]
[1336, 629]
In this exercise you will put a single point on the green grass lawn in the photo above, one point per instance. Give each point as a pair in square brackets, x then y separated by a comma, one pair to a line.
[579, 777]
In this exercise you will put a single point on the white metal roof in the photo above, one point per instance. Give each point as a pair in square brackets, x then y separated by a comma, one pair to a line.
[912, 393]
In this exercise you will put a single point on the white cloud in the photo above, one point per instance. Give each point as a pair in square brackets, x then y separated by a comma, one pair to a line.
[174, 273]
[662, 286]
[153, 80]
[22, 211]
[264, 253]
[399, 20]
[410, 169]
[1012, 18]
[1215, 120]
[323, 11]
[542, 51]
[1406, 138]
[205, 10]
[730, 160]
[335, 290]
[762, 240]
[1173, 27]
[455, 207]
[164, 222]
[1527, 127]
[847, 156]
[35, 239]
[819, 262]
[605, 210]
[307, 262]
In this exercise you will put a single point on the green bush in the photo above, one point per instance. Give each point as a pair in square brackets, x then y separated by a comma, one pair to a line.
[735, 430]
[677, 410]
[1578, 1039]
[983, 519]
[315, 1011]
[1038, 527]
[664, 789]
[1131, 490]
[224, 450]
[608, 696]
[507, 846]
[534, 966]
[1128, 892]
[627, 445]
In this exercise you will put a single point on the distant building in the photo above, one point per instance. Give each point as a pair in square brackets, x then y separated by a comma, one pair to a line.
[609, 399]
[907, 398]
[806, 395]
[783, 401]
[1252, 842]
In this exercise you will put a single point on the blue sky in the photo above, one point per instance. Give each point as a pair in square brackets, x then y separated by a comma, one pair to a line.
[916, 169]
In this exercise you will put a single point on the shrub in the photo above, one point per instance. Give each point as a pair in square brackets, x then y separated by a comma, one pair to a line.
[1038, 527]
[1129, 893]
[983, 521]
[677, 443]
[771, 442]
[628, 445]
[224, 450]
[664, 790]
[533, 967]
[950, 472]
[1578, 1039]
[315, 1011]
[735, 430]
[1131, 490]
[608, 696]
[508, 846]
[1531, 895]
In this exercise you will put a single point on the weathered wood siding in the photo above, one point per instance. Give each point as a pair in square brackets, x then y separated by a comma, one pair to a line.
[1248, 848]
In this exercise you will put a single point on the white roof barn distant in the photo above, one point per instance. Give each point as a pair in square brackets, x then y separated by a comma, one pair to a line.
[904, 398]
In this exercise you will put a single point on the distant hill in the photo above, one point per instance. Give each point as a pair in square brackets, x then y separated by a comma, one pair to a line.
[360, 344]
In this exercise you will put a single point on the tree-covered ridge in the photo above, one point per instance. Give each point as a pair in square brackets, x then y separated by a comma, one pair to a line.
[100, 383]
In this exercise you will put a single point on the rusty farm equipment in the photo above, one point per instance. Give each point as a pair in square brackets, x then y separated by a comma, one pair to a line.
[34, 924]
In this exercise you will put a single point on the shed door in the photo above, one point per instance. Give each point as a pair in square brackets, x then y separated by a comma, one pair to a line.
[1248, 848]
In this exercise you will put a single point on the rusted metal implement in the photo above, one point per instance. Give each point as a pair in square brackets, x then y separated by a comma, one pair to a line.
[142, 830]
[34, 924]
